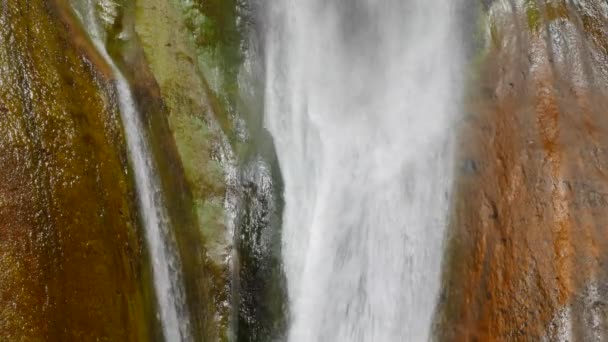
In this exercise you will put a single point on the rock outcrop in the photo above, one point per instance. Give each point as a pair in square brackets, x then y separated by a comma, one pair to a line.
[527, 247]
[71, 260]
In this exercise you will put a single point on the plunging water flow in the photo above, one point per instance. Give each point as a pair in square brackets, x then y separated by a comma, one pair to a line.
[361, 102]
[165, 262]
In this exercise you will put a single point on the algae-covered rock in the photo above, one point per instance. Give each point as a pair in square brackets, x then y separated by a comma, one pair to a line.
[191, 109]
[182, 59]
[202, 149]
[195, 52]
[70, 258]
[187, 146]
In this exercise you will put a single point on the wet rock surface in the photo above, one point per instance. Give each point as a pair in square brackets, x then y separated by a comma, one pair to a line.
[193, 49]
[527, 245]
[71, 264]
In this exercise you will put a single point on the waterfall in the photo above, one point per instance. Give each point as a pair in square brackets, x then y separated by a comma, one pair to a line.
[166, 266]
[361, 100]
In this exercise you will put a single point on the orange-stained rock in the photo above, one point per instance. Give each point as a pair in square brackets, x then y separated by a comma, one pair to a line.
[528, 241]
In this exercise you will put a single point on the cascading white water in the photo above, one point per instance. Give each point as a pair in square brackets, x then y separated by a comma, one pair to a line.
[361, 100]
[166, 267]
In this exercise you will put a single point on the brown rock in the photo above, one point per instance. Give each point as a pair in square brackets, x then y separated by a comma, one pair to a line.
[528, 240]
[70, 258]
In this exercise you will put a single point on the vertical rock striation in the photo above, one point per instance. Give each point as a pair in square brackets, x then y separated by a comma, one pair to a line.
[526, 258]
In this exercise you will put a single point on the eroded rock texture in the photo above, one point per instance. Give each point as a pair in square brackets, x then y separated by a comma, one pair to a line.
[70, 258]
[527, 251]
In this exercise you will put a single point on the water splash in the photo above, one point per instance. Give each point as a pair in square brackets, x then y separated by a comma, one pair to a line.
[361, 102]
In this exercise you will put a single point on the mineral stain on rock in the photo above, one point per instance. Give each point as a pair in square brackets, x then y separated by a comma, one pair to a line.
[71, 264]
[524, 260]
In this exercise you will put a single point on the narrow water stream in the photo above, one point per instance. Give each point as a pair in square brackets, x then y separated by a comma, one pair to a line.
[361, 102]
[166, 266]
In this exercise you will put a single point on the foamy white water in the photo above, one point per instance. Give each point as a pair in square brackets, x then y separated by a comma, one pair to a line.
[361, 99]
[166, 267]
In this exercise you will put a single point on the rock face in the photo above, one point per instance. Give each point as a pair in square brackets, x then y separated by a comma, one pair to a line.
[73, 265]
[70, 257]
[526, 254]
[159, 47]
[191, 116]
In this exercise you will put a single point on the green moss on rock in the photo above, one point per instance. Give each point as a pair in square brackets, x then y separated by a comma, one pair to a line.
[172, 59]
[533, 15]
